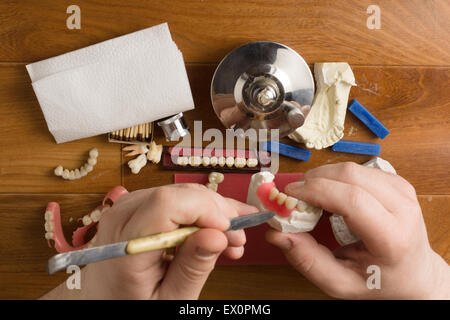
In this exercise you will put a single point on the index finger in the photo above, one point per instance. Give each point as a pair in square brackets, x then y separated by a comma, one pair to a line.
[363, 214]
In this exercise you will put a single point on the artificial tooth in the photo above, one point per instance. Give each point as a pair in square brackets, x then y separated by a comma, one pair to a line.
[88, 167]
[221, 161]
[252, 162]
[182, 161]
[49, 235]
[77, 174]
[290, 203]
[83, 171]
[206, 161]
[87, 220]
[212, 186]
[214, 161]
[281, 198]
[104, 209]
[273, 193]
[301, 206]
[229, 162]
[59, 170]
[155, 152]
[92, 161]
[93, 153]
[65, 174]
[195, 161]
[71, 175]
[240, 162]
[216, 177]
[48, 216]
[95, 215]
[48, 226]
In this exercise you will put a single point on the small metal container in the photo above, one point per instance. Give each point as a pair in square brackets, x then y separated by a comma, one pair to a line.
[262, 85]
[174, 127]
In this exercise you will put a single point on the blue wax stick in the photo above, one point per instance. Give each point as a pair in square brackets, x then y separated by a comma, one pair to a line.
[368, 119]
[286, 150]
[357, 147]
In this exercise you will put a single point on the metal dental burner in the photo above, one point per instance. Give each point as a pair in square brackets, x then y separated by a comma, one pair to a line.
[263, 85]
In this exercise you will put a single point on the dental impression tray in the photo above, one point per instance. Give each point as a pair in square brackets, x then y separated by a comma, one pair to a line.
[262, 85]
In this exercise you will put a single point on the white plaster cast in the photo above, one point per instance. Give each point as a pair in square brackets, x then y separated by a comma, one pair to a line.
[303, 219]
[342, 233]
[324, 125]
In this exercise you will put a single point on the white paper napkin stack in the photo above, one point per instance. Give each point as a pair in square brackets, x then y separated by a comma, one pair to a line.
[115, 84]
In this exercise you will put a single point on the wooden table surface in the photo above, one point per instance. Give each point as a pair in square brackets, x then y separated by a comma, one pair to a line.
[402, 72]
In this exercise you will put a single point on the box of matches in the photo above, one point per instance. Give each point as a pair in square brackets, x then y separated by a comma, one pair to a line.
[220, 160]
[142, 133]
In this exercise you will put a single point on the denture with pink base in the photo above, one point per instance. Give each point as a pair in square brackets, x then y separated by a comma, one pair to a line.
[54, 230]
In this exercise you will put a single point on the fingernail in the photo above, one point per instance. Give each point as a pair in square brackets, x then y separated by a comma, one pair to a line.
[205, 254]
[285, 244]
[294, 186]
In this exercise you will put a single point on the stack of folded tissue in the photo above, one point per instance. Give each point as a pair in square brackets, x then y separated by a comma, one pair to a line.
[115, 84]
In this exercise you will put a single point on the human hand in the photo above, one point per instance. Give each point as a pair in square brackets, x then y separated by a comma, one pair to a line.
[154, 274]
[382, 209]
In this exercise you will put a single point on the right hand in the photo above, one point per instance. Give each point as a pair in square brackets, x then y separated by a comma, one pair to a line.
[383, 210]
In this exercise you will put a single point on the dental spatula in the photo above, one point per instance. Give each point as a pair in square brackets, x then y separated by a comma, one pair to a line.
[153, 242]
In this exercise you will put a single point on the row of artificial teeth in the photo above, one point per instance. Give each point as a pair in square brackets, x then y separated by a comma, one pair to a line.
[214, 178]
[81, 172]
[94, 216]
[290, 202]
[196, 161]
[49, 226]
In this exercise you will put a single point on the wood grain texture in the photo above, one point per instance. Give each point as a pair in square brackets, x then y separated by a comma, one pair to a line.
[29, 153]
[412, 102]
[24, 251]
[412, 32]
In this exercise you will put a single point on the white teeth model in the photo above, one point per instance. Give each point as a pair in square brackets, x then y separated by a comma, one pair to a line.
[214, 161]
[137, 164]
[240, 162]
[155, 152]
[48, 216]
[273, 194]
[229, 162]
[195, 161]
[299, 220]
[79, 172]
[95, 215]
[342, 233]
[281, 198]
[49, 235]
[221, 161]
[87, 220]
[324, 125]
[216, 177]
[252, 162]
[212, 186]
[183, 161]
[290, 203]
[206, 161]
[135, 149]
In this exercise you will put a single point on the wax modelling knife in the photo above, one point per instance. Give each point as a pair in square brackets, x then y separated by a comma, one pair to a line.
[153, 242]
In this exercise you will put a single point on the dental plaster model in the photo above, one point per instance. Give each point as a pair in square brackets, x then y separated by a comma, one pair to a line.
[81, 172]
[342, 233]
[54, 230]
[324, 125]
[151, 153]
[214, 179]
[292, 215]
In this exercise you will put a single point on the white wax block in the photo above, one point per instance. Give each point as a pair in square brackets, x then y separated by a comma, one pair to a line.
[127, 88]
[149, 40]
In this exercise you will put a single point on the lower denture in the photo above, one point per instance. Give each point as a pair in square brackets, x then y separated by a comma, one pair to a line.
[272, 205]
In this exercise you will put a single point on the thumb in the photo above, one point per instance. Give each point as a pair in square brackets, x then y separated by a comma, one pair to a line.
[318, 264]
[192, 264]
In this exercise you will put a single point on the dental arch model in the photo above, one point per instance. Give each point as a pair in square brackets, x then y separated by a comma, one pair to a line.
[54, 230]
[292, 215]
[79, 172]
[324, 125]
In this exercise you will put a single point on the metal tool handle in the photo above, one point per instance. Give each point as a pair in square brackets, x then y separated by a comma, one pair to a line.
[160, 241]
